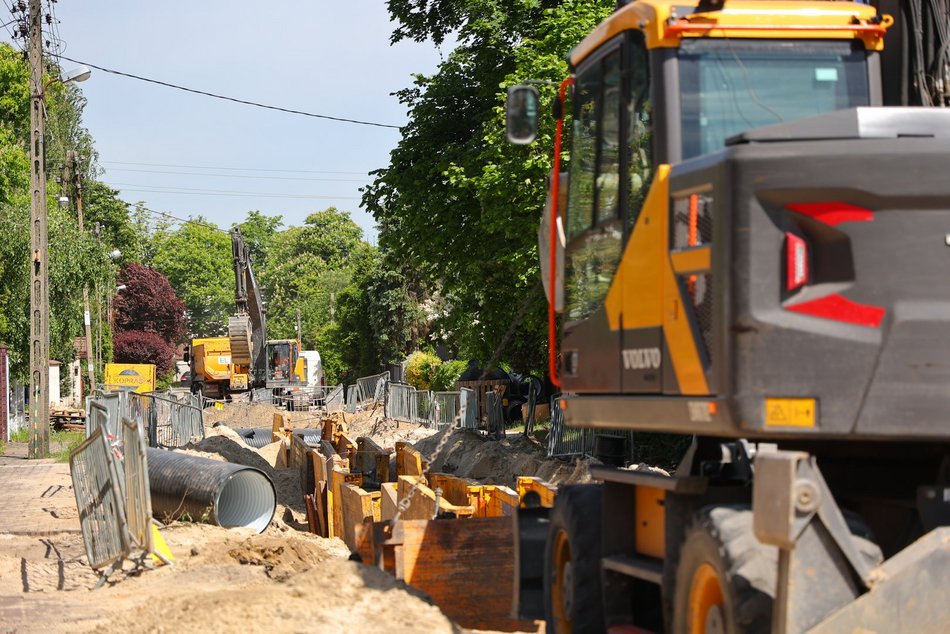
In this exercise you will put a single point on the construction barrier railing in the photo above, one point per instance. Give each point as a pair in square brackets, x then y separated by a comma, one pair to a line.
[400, 402]
[335, 400]
[468, 408]
[369, 387]
[565, 442]
[138, 499]
[353, 398]
[445, 409]
[102, 518]
[496, 415]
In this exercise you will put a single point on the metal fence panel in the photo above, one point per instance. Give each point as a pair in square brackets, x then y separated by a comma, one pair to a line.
[175, 424]
[101, 513]
[399, 402]
[421, 406]
[468, 408]
[564, 441]
[353, 398]
[445, 409]
[334, 401]
[496, 415]
[138, 498]
[369, 387]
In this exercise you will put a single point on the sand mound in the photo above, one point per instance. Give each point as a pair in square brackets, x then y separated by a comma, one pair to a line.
[469, 454]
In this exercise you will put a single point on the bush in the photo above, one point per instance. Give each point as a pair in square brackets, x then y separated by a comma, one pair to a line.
[134, 346]
[447, 375]
[421, 370]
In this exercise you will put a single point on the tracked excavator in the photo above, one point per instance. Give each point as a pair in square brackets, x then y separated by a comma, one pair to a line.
[256, 362]
[752, 254]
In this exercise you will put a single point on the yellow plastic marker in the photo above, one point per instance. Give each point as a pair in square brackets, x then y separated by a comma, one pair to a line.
[161, 554]
[791, 412]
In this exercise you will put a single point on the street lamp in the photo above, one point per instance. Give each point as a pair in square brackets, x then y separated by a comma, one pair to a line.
[39, 265]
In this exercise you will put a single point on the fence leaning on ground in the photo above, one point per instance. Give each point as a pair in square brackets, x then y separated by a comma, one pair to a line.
[352, 398]
[369, 387]
[398, 402]
[334, 402]
[138, 498]
[101, 514]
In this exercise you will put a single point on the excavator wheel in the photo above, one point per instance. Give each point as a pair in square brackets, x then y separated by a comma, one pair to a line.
[572, 588]
[725, 579]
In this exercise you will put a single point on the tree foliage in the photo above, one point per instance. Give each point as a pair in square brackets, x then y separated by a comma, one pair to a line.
[458, 206]
[148, 303]
[136, 346]
[196, 258]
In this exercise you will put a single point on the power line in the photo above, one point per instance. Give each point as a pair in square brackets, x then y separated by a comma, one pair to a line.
[233, 99]
[279, 178]
[161, 189]
[230, 169]
[177, 219]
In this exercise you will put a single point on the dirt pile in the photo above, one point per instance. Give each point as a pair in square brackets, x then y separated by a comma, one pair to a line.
[469, 454]
[240, 415]
[385, 432]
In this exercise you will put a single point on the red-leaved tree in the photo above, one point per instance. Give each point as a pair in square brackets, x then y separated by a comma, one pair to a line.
[133, 346]
[148, 303]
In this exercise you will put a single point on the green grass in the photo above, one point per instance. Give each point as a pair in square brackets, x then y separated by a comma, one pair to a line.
[71, 439]
[20, 435]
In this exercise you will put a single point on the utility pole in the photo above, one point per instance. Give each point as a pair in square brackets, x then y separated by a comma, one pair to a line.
[87, 321]
[39, 269]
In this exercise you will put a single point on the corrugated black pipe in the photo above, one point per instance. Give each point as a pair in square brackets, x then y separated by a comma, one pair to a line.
[222, 493]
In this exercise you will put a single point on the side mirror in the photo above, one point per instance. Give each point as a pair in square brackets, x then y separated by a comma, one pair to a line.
[521, 114]
[186, 357]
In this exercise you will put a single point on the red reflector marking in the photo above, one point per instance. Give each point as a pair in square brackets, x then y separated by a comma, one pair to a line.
[833, 213]
[838, 308]
[627, 629]
[796, 262]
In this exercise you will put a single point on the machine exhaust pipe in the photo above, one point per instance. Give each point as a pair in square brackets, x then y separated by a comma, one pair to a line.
[221, 493]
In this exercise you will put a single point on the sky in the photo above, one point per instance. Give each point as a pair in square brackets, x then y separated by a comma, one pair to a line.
[191, 155]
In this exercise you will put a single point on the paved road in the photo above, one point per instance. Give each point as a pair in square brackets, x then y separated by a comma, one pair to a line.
[36, 496]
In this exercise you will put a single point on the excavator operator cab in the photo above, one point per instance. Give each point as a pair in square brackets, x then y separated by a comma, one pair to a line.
[285, 366]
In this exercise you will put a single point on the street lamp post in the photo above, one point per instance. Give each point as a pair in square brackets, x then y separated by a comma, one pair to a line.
[39, 264]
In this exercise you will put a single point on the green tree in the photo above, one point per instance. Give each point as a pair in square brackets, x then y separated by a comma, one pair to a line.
[464, 217]
[257, 231]
[196, 259]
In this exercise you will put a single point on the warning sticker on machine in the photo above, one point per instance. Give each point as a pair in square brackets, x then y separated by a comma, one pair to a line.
[790, 412]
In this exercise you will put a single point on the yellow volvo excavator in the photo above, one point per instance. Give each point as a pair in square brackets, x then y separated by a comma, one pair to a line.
[753, 255]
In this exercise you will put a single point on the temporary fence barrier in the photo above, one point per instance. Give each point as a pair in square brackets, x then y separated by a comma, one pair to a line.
[175, 424]
[334, 401]
[422, 406]
[138, 500]
[262, 395]
[496, 415]
[564, 441]
[352, 398]
[98, 498]
[468, 408]
[17, 412]
[445, 409]
[116, 404]
[399, 402]
[369, 387]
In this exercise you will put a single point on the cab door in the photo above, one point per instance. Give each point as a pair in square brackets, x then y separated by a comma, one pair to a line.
[594, 228]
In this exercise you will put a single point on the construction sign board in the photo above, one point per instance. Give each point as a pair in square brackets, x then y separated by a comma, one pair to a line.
[132, 377]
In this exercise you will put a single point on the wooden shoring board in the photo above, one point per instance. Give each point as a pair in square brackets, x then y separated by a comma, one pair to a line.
[545, 491]
[370, 456]
[409, 462]
[357, 506]
[336, 527]
[497, 501]
[422, 505]
[458, 491]
[388, 498]
[466, 566]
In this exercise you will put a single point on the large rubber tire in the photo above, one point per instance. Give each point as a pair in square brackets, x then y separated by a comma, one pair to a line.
[725, 578]
[721, 553]
[572, 589]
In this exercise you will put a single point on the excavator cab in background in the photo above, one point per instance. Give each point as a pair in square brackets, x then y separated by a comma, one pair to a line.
[286, 368]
